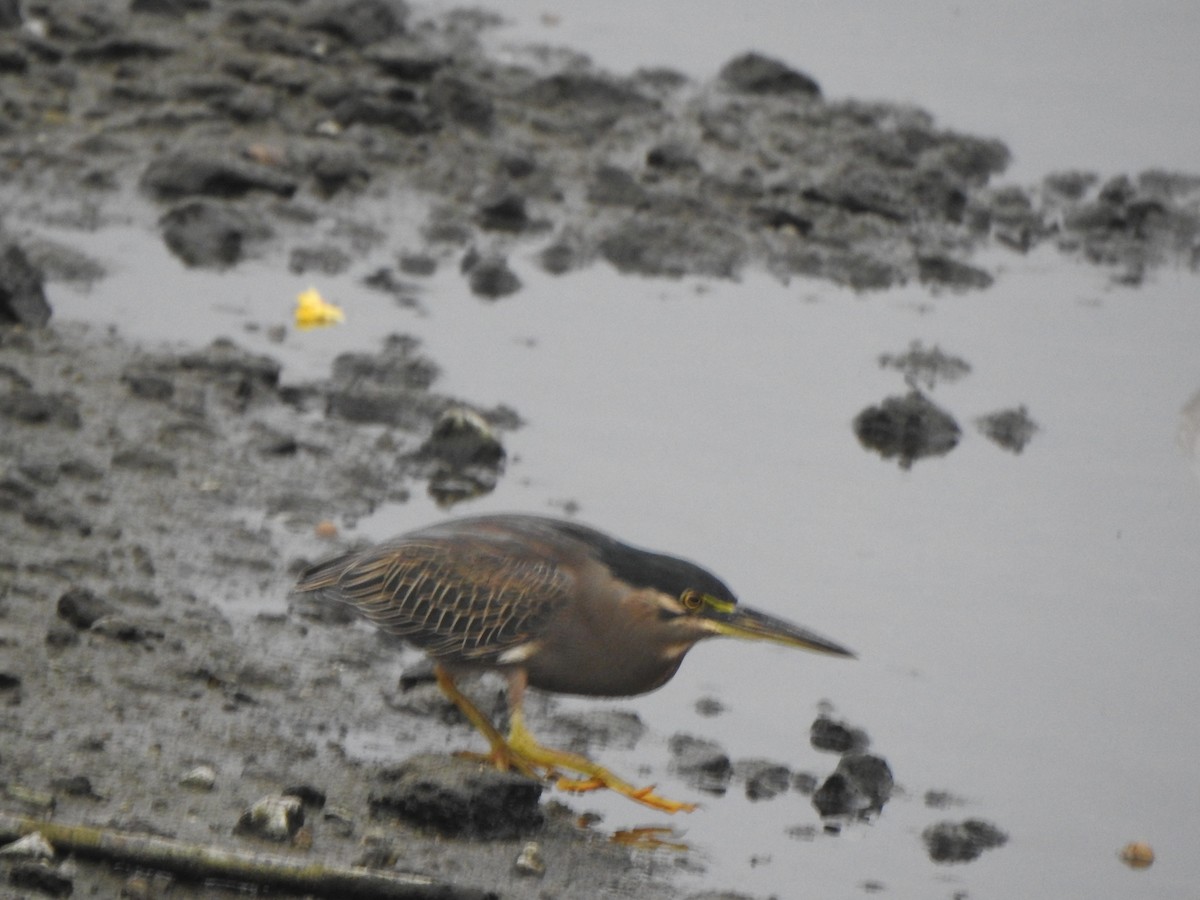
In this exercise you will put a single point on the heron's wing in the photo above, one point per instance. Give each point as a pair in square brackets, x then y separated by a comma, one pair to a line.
[459, 600]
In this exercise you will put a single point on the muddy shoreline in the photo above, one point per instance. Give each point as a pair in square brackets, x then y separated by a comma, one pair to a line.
[155, 503]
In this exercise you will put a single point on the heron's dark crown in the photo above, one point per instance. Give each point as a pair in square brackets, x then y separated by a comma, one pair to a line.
[633, 565]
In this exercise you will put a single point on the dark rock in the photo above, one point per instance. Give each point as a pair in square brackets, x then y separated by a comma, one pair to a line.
[82, 608]
[208, 234]
[505, 212]
[1014, 220]
[468, 457]
[418, 264]
[123, 48]
[954, 842]
[971, 158]
[462, 437]
[463, 103]
[753, 73]
[518, 164]
[143, 459]
[672, 157]
[763, 779]
[458, 798]
[674, 247]
[859, 189]
[148, 384]
[491, 278]
[10, 14]
[250, 104]
[174, 8]
[397, 365]
[936, 269]
[272, 818]
[419, 673]
[805, 782]
[581, 90]
[399, 407]
[306, 794]
[212, 173]
[1012, 429]
[560, 257]
[59, 516]
[81, 470]
[59, 636]
[1070, 185]
[128, 596]
[125, 630]
[942, 799]
[264, 37]
[709, 707]
[359, 22]
[408, 61]
[73, 786]
[701, 763]
[15, 494]
[13, 61]
[386, 280]
[613, 186]
[837, 737]
[782, 219]
[325, 260]
[339, 168]
[32, 408]
[41, 877]
[398, 113]
[225, 361]
[22, 300]
[859, 787]
[909, 428]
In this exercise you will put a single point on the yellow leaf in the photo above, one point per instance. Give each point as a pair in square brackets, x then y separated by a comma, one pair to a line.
[314, 311]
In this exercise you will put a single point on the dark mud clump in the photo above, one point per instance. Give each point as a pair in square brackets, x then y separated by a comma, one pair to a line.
[859, 787]
[246, 123]
[1012, 429]
[909, 428]
[956, 842]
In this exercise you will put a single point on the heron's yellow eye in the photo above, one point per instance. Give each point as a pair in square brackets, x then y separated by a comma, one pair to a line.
[692, 600]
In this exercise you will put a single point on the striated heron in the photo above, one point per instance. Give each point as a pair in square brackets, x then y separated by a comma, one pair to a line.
[552, 605]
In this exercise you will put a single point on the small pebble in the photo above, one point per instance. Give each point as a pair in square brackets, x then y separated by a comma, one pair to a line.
[530, 861]
[32, 846]
[201, 778]
[273, 818]
[1137, 855]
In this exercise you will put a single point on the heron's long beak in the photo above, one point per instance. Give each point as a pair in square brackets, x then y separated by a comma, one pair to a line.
[752, 625]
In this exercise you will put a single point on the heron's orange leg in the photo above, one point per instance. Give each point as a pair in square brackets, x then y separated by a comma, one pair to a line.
[595, 775]
[502, 755]
[521, 752]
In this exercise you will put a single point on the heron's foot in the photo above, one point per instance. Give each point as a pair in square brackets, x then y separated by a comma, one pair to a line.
[595, 776]
[650, 838]
[520, 752]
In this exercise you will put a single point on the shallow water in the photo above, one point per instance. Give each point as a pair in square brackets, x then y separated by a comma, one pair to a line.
[1091, 84]
[1024, 622]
